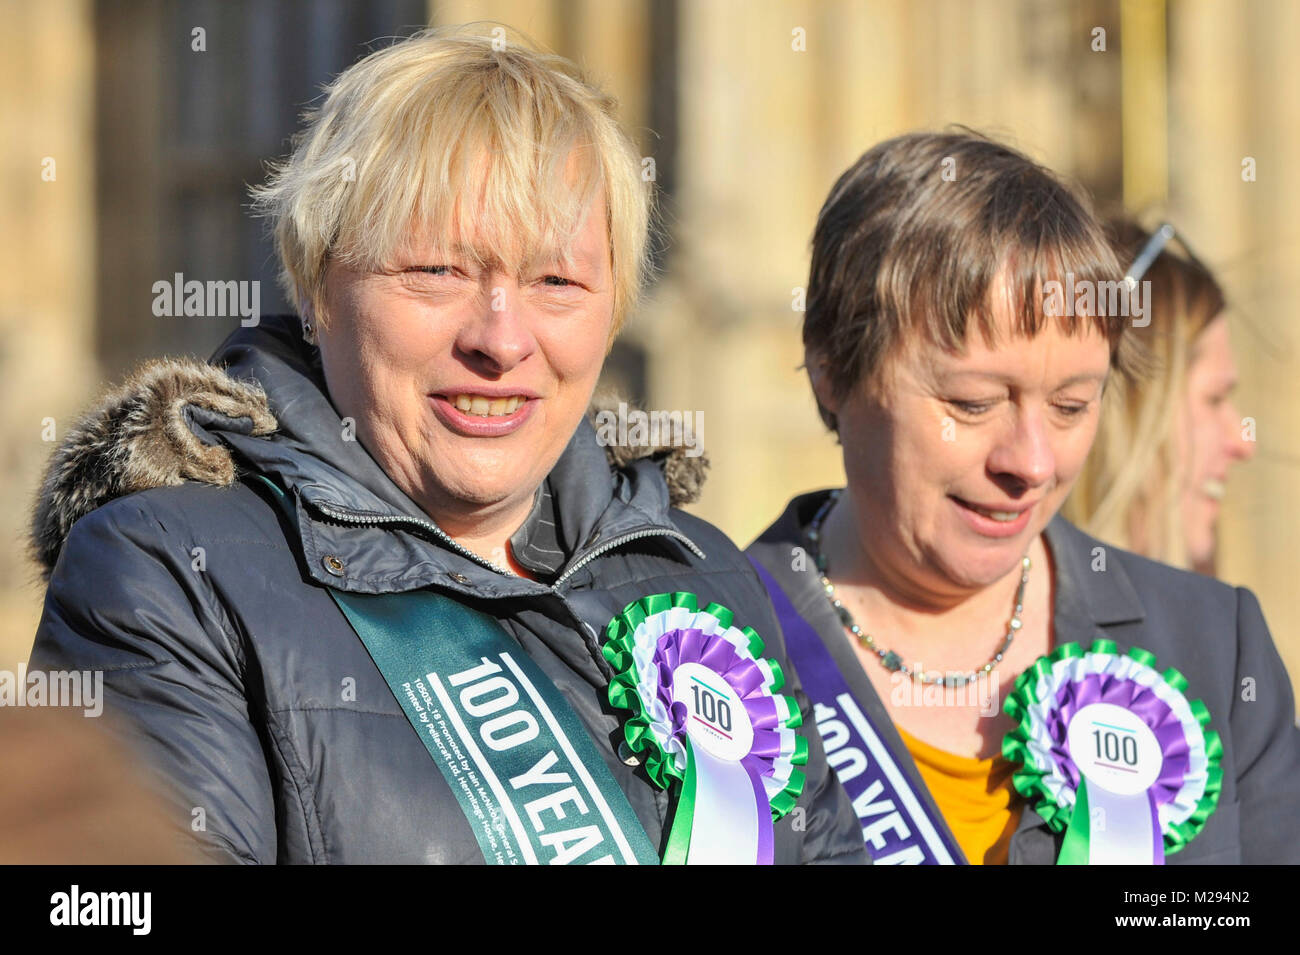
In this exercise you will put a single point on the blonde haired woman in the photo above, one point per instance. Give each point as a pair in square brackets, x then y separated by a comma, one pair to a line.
[399, 631]
[1156, 475]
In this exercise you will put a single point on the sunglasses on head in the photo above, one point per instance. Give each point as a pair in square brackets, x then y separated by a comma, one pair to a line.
[1154, 246]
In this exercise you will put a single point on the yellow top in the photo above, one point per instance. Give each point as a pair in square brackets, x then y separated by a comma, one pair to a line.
[975, 796]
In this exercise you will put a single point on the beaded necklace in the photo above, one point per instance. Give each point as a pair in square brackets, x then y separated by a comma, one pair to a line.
[888, 658]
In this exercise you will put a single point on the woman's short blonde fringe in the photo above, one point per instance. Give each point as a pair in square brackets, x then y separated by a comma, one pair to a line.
[466, 138]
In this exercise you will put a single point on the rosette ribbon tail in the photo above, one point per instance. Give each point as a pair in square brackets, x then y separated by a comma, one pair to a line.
[678, 848]
[713, 823]
[1111, 829]
[708, 718]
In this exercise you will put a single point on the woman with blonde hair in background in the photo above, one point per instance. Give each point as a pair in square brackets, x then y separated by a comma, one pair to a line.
[1156, 474]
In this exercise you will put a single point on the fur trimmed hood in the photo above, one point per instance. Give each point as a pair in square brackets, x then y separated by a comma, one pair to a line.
[141, 435]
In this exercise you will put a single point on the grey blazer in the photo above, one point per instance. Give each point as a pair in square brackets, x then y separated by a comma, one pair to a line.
[1212, 633]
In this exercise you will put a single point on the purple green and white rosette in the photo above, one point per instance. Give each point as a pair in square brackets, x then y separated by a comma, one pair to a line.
[707, 716]
[1113, 754]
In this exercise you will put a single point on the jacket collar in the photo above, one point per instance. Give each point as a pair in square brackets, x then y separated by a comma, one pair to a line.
[1092, 589]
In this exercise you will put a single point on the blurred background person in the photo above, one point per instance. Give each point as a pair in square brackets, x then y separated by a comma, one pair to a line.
[1158, 470]
[73, 793]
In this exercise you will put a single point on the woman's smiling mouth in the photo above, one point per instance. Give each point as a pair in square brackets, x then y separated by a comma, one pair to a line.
[994, 522]
[474, 415]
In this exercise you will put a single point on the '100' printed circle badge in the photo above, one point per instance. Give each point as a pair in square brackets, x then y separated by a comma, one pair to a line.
[716, 719]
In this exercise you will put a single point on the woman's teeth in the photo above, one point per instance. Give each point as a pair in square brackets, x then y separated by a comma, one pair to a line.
[1005, 517]
[488, 407]
[1213, 489]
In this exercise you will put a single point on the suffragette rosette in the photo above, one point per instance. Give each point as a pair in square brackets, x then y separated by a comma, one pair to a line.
[1113, 754]
[707, 716]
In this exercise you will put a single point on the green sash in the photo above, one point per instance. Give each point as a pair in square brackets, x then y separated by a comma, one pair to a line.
[532, 786]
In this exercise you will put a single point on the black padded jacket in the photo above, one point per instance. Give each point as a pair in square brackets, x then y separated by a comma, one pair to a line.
[208, 611]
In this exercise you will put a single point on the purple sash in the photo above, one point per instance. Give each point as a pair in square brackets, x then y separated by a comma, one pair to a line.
[897, 826]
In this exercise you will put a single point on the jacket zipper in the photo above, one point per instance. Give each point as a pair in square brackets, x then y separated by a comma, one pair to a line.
[589, 636]
[348, 517]
[618, 542]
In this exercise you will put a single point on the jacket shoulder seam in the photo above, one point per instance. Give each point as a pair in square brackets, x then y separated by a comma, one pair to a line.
[152, 664]
[334, 709]
[145, 509]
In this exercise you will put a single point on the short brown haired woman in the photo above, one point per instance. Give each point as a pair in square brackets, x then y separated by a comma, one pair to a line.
[991, 684]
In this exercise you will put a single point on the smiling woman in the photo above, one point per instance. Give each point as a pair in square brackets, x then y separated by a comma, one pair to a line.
[431, 360]
[485, 247]
[410, 627]
[1156, 479]
[945, 619]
